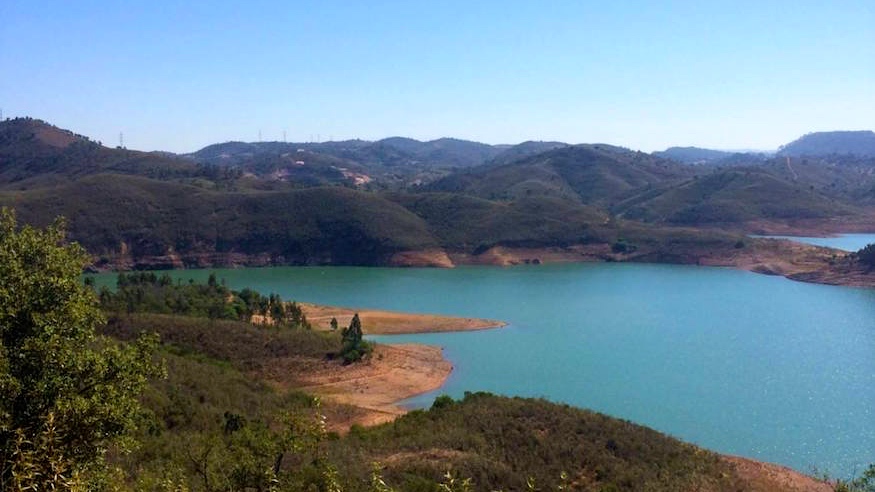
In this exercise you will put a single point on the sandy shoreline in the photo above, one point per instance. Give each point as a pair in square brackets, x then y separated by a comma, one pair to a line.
[393, 373]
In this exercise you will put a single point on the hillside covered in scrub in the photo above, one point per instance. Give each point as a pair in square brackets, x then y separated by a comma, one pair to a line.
[218, 419]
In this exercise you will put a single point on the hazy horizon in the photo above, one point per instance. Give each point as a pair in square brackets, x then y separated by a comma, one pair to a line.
[180, 77]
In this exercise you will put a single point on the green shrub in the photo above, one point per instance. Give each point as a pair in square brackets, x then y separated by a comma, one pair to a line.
[866, 255]
[442, 401]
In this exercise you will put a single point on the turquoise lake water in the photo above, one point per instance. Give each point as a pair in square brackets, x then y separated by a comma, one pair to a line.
[740, 363]
[846, 242]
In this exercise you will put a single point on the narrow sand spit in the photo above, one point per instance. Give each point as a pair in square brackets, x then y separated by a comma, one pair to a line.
[377, 322]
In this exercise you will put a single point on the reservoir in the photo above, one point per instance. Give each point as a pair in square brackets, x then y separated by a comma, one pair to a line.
[740, 363]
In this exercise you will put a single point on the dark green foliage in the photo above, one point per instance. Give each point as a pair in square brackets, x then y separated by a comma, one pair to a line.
[866, 255]
[277, 309]
[621, 246]
[502, 443]
[442, 401]
[354, 347]
[66, 395]
[148, 292]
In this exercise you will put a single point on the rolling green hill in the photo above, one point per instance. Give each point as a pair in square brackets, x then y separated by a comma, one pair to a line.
[501, 443]
[112, 214]
[36, 154]
[846, 178]
[597, 175]
[731, 196]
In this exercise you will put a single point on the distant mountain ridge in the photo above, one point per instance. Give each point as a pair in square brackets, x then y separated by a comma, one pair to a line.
[826, 143]
[447, 151]
[366, 203]
[692, 155]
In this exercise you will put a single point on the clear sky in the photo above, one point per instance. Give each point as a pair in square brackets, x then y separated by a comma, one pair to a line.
[646, 75]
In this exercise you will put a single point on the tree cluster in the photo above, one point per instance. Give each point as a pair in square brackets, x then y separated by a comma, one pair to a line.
[147, 292]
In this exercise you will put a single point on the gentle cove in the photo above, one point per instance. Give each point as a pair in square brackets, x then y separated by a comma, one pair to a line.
[737, 362]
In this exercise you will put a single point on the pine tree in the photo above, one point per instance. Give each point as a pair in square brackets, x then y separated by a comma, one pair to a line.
[353, 345]
[277, 309]
[866, 255]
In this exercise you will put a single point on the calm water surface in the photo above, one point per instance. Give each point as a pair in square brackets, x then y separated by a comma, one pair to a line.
[740, 363]
[846, 242]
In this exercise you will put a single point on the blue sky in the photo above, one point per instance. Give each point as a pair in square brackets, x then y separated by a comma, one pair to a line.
[646, 75]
